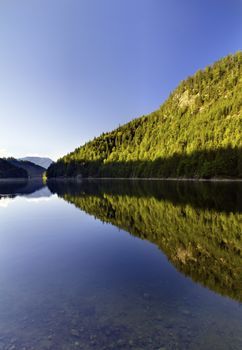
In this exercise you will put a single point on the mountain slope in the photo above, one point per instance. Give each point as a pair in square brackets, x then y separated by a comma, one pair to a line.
[32, 169]
[9, 170]
[197, 132]
[44, 162]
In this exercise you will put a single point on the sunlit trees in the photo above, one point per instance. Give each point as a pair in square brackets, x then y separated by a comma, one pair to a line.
[201, 120]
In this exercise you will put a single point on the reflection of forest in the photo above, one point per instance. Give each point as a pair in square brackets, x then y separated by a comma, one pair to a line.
[198, 226]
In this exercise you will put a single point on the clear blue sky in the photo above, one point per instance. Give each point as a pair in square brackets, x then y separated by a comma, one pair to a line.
[72, 69]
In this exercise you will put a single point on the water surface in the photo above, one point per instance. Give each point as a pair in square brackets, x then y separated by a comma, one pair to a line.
[120, 265]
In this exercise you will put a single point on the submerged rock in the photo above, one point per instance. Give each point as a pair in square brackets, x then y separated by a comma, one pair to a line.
[75, 332]
[146, 296]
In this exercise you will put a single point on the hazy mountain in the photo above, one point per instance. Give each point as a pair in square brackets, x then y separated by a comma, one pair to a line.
[44, 162]
[197, 132]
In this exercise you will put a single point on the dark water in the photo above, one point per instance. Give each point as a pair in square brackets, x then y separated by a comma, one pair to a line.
[120, 265]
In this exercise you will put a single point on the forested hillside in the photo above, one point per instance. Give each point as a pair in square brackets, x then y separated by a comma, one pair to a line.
[13, 168]
[8, 170]
[197, 132]
[32, 169]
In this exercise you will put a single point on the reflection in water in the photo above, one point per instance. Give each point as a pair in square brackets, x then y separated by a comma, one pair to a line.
[197, 225]
[12, 188]
[69, 281]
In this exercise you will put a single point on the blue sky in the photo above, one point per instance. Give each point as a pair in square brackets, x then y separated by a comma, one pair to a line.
[72, 69]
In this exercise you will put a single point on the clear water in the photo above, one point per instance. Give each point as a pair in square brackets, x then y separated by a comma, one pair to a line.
[75, 273]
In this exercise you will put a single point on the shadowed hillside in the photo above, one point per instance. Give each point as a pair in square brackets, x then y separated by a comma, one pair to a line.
[9, 170]
[221, 163]
[33, 170]
[13, 168]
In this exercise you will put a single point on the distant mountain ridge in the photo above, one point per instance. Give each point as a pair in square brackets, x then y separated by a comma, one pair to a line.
[44, 162]
[196, 133]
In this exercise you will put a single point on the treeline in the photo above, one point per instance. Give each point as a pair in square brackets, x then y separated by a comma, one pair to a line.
[197, 132]
[200, 164]
[205, 244]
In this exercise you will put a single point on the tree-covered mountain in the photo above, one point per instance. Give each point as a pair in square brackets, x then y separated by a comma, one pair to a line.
[13, 168]
[197, 132]
[9, 170]
[32, 169]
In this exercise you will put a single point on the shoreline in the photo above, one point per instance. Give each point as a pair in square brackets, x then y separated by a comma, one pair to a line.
[19, 179]
[76, 179]
[14, 179]
[143, 179]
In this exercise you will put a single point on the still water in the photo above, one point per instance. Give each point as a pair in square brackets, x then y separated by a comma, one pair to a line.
[120, 265]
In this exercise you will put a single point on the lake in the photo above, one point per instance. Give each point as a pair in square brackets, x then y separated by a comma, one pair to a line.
[120, 265]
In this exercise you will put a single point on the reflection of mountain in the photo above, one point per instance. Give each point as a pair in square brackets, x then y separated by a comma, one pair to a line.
[21, 187]
[221, 196]
[198, 226]
[43, 192]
